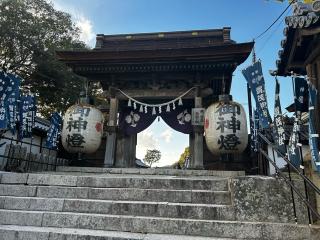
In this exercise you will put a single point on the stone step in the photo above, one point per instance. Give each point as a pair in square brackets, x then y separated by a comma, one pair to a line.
[118, 181]
[152, 209]
[192, 227]
[14, 232]
[124, 194]
[151, 171]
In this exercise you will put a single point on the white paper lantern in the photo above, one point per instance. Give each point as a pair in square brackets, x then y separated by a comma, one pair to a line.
[82, 129]
[226, 127]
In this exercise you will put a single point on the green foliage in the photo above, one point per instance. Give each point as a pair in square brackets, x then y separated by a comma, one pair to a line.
[30, 33]
[152, 156]
[184, 156]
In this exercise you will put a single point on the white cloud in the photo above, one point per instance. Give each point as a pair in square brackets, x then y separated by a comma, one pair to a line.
[85, 26]
[167, 135]
[146, 140]
[168, 158]
[81, 21]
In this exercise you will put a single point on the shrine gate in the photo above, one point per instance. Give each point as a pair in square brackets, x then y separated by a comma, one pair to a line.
[140, 72]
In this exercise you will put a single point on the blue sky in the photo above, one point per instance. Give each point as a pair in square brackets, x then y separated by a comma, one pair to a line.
[247, 18]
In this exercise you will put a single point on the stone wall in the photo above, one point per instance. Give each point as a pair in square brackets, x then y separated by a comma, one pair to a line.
[260, 198]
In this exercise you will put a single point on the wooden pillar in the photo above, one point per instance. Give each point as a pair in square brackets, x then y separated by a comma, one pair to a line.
[313, 71]
[120, 160]
[312, 74]
[316, 75]
[191, 145]
[198, 137]
[126, 150]
[133, 146]
[109, 157]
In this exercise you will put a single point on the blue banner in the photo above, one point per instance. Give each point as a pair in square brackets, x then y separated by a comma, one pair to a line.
[293, 148]
[54, 131]
[254, 76]
[279, 133]
[11, 104]
[301, 96]
[27, 115]
[9, 92]
[3, 113]
[313, 136]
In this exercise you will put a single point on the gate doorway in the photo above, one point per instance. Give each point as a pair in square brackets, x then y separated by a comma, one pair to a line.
[160, 136]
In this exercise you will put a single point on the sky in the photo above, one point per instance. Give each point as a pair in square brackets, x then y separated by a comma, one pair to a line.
[247, 19]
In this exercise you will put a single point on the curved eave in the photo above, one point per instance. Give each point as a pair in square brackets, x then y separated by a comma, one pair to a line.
[236, 53]
[294, 52]
[284, 53]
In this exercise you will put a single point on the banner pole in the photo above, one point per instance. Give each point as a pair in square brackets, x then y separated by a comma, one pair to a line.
[292, 196]
[251, 125]
[300, 146]
[252, 153]
[286, 150]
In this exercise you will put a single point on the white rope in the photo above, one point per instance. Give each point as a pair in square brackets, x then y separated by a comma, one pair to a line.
[156, 105]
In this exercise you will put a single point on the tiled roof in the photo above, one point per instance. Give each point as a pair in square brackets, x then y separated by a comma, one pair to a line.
[304, 16]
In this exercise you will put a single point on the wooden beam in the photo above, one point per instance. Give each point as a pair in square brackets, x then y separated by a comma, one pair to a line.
[163, 94]
[296, 65]
[292, 51]
[310, 31]
[314, 54]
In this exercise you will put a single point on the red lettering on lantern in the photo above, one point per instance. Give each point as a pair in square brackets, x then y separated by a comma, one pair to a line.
[206, 123]
[99, 127]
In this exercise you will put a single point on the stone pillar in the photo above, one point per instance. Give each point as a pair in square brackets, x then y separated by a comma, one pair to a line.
[109, 157]
[198, 137]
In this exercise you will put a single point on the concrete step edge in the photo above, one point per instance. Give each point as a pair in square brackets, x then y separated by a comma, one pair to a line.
[160, 225]
[220, 184]
[159, 218]
[23, 177]
[111, 188]
[151, 171]
[25, 231]
[131, 194]
[119, 201]
[107, 208]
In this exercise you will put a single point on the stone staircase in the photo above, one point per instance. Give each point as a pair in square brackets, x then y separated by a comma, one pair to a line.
[150, 204]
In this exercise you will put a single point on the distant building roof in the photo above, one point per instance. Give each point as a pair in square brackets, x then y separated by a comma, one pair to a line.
[141, 164]
[41, 124]
[164, 40]
[288, 128]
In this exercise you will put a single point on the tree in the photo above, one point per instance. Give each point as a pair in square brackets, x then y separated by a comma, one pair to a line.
[30, 33]
[184, 156]
[152, 156]
[304, 1]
